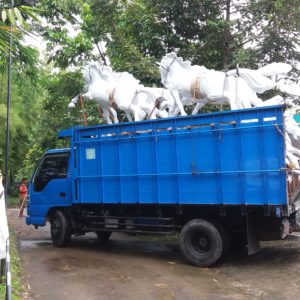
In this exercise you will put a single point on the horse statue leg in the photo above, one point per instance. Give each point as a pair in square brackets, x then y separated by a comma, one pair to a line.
[174, 112]
[138, 113]
[73, 102]
[113, 115]
[106, 115]
[198, 106]
[129, 117]
[175, 95]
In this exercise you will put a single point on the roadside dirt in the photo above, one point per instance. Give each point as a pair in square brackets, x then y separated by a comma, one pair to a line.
[141, 268]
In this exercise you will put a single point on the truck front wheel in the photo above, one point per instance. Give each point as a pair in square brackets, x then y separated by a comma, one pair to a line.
[202, 242]
[61, 229]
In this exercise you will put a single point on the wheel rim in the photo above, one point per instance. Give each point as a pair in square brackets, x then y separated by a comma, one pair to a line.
[201, 243]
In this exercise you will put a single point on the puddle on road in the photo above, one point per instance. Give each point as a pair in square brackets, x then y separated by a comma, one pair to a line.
[30, 244]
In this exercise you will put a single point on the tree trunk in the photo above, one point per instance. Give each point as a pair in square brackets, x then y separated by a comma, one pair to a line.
[227, 35]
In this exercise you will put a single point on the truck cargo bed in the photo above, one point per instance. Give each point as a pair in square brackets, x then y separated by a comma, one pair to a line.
[228, 158]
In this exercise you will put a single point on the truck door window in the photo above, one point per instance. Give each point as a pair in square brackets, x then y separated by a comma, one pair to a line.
[52, 167]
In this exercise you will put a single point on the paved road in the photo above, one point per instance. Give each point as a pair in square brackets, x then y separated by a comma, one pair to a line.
[131, 267]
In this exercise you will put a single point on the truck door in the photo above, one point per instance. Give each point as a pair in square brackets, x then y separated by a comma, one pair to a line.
[51, 184]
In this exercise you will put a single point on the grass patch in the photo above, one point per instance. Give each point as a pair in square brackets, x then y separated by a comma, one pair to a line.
[15, 267]
[13, 201]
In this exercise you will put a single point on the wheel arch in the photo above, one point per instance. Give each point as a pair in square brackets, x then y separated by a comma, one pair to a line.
[53, 209]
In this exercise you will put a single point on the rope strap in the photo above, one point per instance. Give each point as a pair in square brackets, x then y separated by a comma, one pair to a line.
[112, 99]
[195, 88]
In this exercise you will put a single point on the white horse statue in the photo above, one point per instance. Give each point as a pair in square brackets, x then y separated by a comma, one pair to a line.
[108, 112]
[196, 84]
[121, 90]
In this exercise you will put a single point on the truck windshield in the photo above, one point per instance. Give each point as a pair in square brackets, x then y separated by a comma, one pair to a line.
[53, 166]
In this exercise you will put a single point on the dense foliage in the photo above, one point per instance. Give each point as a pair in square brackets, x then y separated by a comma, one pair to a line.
[130, 35]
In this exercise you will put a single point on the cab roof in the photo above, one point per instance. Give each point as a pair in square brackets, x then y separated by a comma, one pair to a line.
[61, 150]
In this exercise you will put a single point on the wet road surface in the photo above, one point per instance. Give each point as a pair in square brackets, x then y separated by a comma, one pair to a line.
[139, 267]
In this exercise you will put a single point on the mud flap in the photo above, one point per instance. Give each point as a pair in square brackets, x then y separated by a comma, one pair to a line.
[253, 232]
[285, 228]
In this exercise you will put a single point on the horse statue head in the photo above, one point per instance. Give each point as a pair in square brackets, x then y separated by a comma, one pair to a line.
[170, 66]
[93, 81]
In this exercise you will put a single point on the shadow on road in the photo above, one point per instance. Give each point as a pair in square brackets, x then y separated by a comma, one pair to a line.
[281, 253]
[124, 245]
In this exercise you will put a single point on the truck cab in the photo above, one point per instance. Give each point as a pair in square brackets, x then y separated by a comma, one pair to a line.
[50, 186]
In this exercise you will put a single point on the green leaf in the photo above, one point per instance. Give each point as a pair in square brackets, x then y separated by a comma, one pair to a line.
[31, 12]
[20, 18]
[11, 17]
[3, 47]
[4, 15]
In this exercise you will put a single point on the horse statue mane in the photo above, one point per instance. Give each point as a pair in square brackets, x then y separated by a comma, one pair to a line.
[107, 74]
[178, 74]
[91, 73]
[127, 78]
[172, 57]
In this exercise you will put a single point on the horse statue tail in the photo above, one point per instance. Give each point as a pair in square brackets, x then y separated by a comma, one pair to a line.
[256, 81]
[291, 89]
[274, 69]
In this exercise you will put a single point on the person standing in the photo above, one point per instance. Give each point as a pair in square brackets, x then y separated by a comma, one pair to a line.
[22, 196]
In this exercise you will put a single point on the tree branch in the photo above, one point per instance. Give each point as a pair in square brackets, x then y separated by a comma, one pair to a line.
[101, 54]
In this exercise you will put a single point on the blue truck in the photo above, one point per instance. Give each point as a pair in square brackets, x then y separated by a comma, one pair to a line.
[219, 179]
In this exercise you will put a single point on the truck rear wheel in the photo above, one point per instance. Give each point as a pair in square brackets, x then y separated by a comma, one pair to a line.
[202, 242]
[103, 235]
[61, 229]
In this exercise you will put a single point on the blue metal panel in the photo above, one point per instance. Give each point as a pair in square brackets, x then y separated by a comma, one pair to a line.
[230, 158]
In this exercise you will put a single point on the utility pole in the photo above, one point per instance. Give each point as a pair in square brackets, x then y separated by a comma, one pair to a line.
[8, 110]
[5, 266]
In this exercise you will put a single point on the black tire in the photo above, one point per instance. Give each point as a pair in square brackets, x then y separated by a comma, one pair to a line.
[61, 229]
[202, 242]
[103, 235]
